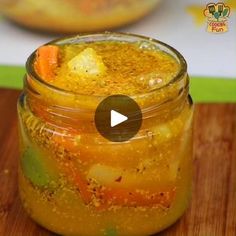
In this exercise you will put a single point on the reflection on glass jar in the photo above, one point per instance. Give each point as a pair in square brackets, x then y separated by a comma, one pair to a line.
[73, 181]
[75, 15]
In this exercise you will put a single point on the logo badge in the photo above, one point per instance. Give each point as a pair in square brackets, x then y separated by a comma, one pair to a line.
[217, 15]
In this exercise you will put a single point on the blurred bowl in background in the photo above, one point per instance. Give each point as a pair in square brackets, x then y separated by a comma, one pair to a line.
[71, 16]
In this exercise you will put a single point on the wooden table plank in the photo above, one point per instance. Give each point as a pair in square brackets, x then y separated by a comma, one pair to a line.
[213, 207]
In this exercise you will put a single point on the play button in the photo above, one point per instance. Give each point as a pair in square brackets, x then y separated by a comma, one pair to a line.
[118, 118]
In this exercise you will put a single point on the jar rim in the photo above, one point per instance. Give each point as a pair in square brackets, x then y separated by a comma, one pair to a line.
[109, 37]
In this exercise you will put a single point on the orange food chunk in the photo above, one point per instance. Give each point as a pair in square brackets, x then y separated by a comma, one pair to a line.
[124, 197]
[47, 61]
[78, 181]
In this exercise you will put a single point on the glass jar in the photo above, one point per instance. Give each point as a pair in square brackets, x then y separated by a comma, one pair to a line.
[68, 16]
[144, 183]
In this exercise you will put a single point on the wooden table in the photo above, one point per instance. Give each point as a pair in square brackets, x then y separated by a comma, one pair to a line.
[213, 207]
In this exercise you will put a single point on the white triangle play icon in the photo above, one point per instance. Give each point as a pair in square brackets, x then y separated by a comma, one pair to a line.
[117, 118]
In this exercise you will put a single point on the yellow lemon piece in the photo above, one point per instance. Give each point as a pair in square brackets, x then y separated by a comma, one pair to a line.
[198, 14]
[88, 63]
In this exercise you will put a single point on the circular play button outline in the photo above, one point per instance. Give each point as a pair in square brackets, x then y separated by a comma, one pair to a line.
[118, 118]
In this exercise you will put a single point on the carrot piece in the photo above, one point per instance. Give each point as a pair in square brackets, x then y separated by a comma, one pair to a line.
[78, 181]
[47, 61]
[124, 197]
[82, 184]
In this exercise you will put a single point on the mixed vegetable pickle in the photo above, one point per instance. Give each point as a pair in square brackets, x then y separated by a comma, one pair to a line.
[70, 16]
[75, 182]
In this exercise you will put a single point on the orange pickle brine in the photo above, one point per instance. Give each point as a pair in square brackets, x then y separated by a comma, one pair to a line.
[72, 180]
